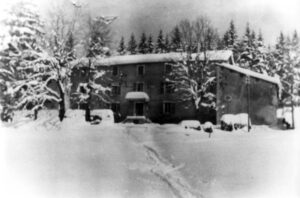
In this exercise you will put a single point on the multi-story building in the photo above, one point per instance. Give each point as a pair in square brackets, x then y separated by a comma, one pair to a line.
[139, 88]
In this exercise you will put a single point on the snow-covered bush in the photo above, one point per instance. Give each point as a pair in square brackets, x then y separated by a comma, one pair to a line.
[230, 122]
[208, 127]
[227, 122]
[241, 121]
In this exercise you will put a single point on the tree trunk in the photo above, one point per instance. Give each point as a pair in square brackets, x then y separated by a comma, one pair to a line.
[35, 114]
[62, 107]
[87, 113]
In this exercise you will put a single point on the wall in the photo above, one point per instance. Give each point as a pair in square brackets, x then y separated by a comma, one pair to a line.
[232, 97]
[154, 76]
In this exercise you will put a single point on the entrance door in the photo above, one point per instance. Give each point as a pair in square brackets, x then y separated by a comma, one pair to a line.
[139, 109]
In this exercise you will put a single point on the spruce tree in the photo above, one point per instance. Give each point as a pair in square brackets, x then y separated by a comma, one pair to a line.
[176, 40]
[132, 46]
[143, 48]
[251, 53]
[295, 41]
[167, 44]
[122, 48]
[150, 44]
[260, 36]
[160, 44]
[230, 36]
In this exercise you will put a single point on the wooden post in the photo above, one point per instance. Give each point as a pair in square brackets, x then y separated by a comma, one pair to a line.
[218, 94]
[292, 103]
[248, 100]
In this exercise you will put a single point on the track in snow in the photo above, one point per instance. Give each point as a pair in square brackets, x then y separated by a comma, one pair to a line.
[161, 168]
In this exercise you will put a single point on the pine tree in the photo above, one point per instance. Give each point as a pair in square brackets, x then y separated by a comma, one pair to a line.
[132, 46]
[295, 40]
[176, 40]
[167, 44]
[122, 47]
[143, 48]
[160, 43]
[247, 35]
[230, 36]
[252, 38]
[260, 36]
[252, 53]
[226, 40]
[150, 44]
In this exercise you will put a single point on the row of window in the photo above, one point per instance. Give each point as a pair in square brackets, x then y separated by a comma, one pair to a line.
[165, 88]
[141, 70]
[168, 107]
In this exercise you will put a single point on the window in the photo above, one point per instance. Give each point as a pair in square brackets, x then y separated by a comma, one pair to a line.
[139, 86]
[168, 107]
[168, 68]
[115, 107]
[167, 88]
[141, 70]
[115, 71]
[116, 90]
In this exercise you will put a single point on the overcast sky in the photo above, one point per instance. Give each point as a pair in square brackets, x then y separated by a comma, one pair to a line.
[271, 16]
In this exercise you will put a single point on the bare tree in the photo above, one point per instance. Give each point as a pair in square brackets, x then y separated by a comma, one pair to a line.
[60, 45]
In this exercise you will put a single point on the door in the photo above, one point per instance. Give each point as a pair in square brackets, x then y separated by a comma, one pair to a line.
[139, 109]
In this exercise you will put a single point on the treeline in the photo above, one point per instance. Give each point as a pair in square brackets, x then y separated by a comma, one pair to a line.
[249, 49]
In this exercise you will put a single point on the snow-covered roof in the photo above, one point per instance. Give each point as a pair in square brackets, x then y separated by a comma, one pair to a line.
[218, 55]
[137, 95]
[247, 72]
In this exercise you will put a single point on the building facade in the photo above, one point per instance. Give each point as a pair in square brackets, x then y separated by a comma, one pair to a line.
[138, 87]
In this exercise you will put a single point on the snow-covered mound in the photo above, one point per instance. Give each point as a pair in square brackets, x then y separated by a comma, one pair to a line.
[230, 122]
[208, 127]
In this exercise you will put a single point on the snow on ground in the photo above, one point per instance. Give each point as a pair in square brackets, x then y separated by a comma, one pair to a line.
[46, 158]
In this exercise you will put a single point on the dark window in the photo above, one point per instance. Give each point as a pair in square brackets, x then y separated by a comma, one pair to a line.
[139, 86]
[168, 68]
[169, 108]
[116, 90]
[115, 107]
[115, 71]
[167, 88]
[141, 70]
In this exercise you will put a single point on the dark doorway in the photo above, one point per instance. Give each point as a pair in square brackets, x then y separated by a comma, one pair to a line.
[139, 109]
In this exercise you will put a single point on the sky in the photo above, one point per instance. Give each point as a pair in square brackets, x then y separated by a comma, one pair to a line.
[137, 16]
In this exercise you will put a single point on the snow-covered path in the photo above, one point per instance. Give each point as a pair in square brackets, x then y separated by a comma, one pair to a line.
[74, 159]
[164, 170]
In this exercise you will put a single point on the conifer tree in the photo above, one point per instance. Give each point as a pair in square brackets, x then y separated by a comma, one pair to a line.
[160, 44]
[122, 48]
[132, 46]
[260, 36]
[150, 44]
[167, 44]
[230, 36]
[176, 40]
[143, 48]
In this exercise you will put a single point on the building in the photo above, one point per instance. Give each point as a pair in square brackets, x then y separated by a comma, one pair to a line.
[139, 88]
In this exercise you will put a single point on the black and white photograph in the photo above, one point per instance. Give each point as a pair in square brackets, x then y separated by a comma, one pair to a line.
[150, 98]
